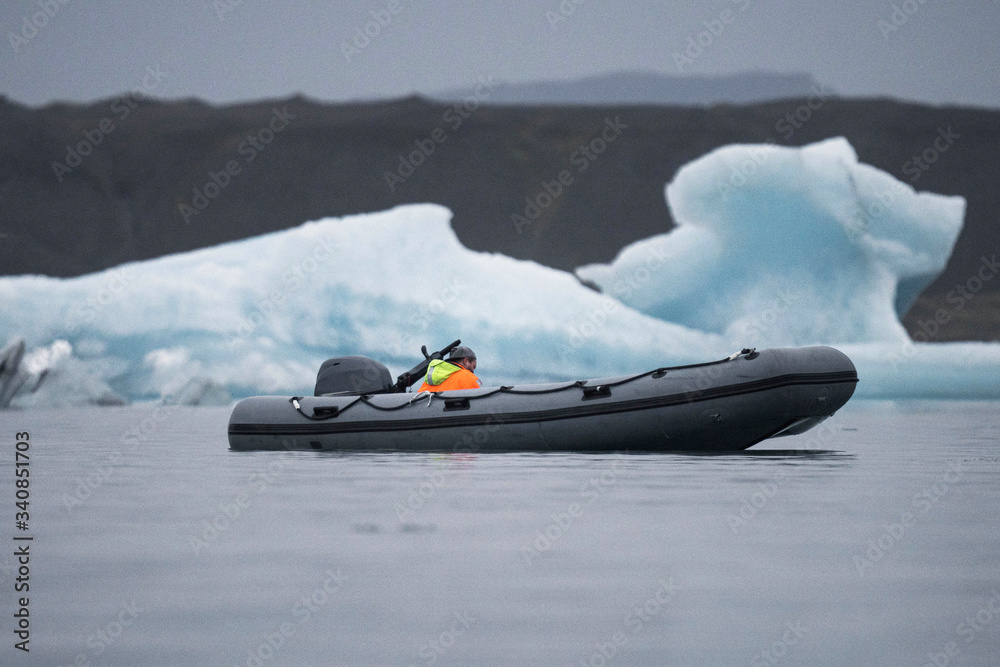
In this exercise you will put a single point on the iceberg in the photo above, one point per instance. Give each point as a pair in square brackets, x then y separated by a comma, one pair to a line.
[260, 315]
[12, 378]
[199, 391]
[788, 246]
[50, 377]
[774, 246]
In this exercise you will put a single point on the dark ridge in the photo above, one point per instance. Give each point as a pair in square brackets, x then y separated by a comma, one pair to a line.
[645, 88]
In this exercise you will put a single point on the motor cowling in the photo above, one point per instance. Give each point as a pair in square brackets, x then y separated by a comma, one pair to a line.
[355, 375]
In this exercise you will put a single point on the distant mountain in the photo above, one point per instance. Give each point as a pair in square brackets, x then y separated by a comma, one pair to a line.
[645, 88]
[84, 188]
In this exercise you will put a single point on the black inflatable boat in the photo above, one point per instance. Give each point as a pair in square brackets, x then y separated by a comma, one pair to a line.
[730, 404]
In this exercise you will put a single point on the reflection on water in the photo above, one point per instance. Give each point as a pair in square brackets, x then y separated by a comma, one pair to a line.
[814, 454]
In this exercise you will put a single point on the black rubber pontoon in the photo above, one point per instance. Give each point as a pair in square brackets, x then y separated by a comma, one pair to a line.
[724, 405]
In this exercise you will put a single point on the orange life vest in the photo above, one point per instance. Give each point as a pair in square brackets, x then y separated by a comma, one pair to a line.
[447, 376]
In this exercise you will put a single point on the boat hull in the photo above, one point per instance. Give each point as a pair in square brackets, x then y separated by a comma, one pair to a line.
[721, 406]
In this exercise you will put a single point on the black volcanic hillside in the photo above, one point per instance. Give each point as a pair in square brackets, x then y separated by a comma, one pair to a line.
[124, 200]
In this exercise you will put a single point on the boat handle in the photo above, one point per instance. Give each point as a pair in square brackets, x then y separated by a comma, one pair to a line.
[600, 391]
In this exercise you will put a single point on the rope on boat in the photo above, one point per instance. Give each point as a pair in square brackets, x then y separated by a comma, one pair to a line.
[321, 413]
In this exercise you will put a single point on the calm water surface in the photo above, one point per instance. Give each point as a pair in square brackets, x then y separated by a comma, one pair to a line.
[873, 541]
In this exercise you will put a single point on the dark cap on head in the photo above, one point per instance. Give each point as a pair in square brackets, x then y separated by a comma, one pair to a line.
[461, 352]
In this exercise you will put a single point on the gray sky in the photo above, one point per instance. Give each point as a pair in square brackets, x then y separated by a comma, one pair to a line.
[235, 50]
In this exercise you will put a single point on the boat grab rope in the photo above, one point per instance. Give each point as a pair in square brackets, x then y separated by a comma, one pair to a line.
[321, 413]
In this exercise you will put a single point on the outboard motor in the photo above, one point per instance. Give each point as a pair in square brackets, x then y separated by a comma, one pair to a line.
[355, 375]
[361, 375]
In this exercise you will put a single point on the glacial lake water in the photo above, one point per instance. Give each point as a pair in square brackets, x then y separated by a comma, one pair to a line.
[873, 541]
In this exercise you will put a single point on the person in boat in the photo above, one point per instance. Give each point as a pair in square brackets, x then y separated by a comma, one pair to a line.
[453, 373]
